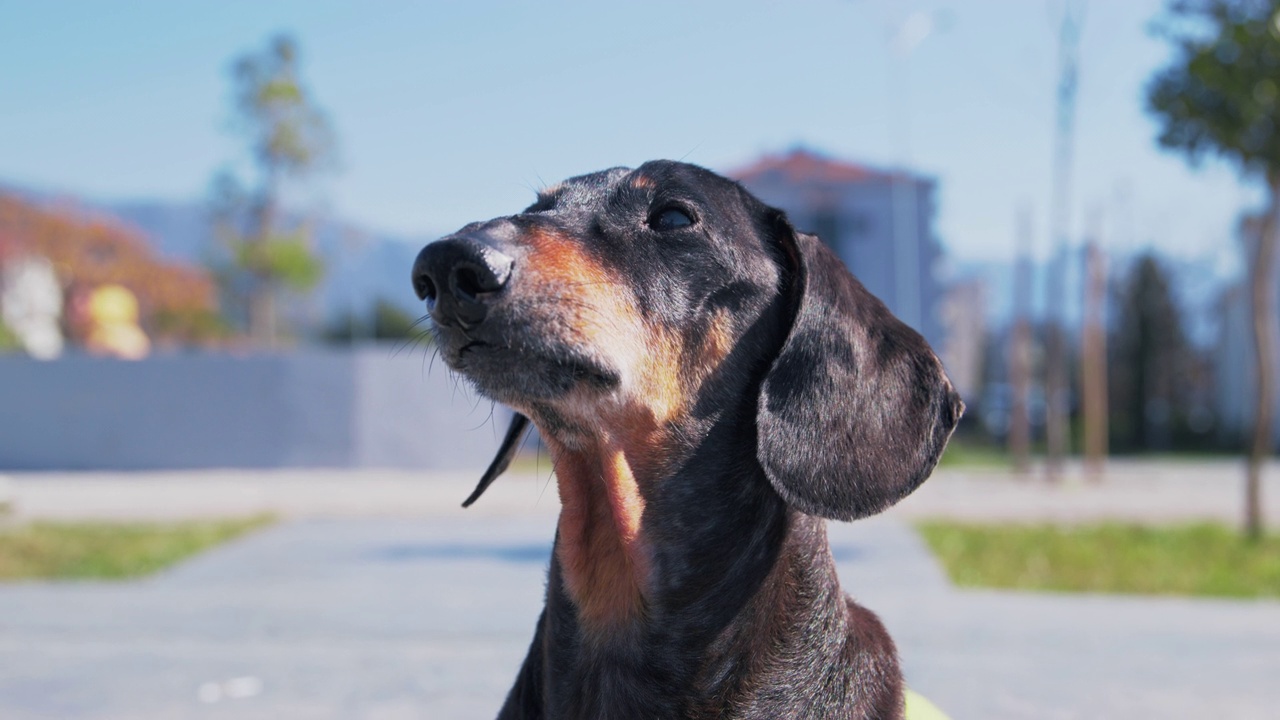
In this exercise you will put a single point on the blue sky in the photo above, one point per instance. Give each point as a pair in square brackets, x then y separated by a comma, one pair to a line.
[451, 112]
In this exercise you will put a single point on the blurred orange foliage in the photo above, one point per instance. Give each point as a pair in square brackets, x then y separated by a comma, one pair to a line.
[177, 302]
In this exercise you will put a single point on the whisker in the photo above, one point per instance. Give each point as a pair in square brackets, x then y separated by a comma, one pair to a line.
[431, 365]
[547, 484]
[488, 420]
[410, 342]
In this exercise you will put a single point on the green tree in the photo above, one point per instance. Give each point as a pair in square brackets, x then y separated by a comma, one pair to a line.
[290, 140]
[8, 341]
[1220, 95]
[389, 323]
[1150, 361]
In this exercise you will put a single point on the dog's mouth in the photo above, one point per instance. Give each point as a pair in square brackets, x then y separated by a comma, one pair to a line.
[518, 366]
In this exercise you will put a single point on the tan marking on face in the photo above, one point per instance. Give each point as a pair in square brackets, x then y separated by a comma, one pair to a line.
[671, 373]
[660, 387]
[715, 346]
[556, 258]
[582, 303]
[643, 182]
[624, 445]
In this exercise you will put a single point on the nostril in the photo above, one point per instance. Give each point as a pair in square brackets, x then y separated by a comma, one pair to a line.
[425, 288]
[467, 283]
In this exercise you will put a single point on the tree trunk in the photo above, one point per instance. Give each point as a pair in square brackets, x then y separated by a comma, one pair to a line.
[1019, 438]
[262, 312]
[262, 301]
[1093, 363]
[1020, 382]
[1261, 291]
[1057, 391]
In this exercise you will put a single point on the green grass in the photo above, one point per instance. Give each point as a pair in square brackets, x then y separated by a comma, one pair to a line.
[960, 454]
[1196, 559]
[527, 462]
[109, 551]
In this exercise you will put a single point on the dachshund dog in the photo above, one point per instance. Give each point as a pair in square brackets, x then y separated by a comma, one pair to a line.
[711, 384]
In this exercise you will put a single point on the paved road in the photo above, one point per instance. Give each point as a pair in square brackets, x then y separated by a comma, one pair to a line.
[371, 613]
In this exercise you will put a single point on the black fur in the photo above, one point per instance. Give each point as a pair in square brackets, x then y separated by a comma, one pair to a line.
[856, 409]
[825, 406]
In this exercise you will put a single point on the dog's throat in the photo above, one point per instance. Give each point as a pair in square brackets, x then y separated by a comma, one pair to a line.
[600, 547]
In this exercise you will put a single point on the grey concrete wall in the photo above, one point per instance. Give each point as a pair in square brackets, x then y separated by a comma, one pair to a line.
[365, 407]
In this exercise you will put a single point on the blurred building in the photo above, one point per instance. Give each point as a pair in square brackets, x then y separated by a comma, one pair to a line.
[1235, 368]
[880, 223]
[962, 312]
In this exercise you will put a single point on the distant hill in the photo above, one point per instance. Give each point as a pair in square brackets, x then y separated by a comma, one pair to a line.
[361, 265]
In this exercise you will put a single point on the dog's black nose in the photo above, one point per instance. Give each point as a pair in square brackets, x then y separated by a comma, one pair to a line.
[457, 277]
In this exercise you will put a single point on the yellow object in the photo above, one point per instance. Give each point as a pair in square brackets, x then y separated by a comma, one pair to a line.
[120, 340]
[920, 709]
[114, 330]
[112, 304]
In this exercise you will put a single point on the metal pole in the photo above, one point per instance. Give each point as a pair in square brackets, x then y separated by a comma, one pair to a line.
[1057, 392]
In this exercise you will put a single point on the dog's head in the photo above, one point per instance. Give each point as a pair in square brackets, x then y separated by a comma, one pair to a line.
[625, 302]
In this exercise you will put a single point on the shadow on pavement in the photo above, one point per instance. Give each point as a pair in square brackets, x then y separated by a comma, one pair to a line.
[538, 553]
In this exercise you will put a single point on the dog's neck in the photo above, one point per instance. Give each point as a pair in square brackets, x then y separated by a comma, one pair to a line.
[647, 568]
[602, 556]
[673, 546]
[645, 487]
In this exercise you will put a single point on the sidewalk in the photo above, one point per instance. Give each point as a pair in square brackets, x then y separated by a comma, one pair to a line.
[1137, 490]
[1131, 490]
[1040, 656]
[377, 618]
[378, 597]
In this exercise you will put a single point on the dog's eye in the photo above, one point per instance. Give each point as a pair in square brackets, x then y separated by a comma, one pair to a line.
[670, 219]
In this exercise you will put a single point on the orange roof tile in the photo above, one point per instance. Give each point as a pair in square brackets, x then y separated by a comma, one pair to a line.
[803, 165]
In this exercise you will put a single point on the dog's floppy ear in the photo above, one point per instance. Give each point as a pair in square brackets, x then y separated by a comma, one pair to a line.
[506, 451]
[856, 409]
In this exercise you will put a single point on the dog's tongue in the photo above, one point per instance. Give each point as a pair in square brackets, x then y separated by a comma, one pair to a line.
[506, 451]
